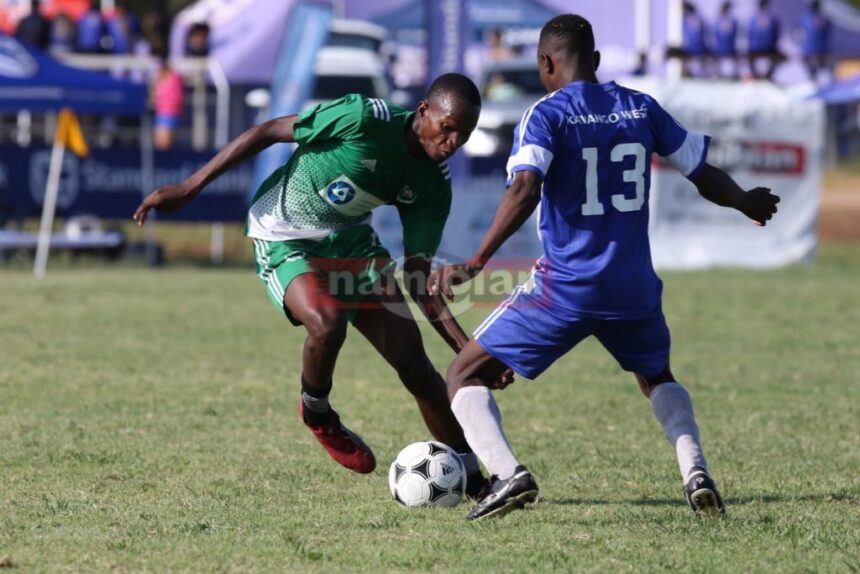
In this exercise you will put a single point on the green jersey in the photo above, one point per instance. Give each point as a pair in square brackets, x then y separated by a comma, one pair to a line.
[351, 159]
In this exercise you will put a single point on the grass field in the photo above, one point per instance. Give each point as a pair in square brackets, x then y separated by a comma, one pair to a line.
[148, 423]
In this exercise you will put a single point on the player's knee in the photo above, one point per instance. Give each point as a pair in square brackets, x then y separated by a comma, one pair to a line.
[326, 328]
[647, 384]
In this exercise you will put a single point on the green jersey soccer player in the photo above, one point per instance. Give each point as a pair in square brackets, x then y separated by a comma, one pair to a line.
[320, 260]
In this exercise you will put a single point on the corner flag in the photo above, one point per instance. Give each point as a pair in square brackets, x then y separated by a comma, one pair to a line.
[69, 133]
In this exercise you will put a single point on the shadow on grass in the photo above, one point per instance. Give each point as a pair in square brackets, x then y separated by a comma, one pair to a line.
[742, 500]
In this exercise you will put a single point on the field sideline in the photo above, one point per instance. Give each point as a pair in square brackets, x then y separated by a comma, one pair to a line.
[148, 423]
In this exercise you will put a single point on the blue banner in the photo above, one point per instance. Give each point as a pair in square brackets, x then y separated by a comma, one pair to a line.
[108, 184]
[307, 30]
[447, 36]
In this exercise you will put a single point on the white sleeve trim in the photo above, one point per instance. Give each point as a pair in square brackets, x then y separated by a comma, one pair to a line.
[690, 154]
[532, 155]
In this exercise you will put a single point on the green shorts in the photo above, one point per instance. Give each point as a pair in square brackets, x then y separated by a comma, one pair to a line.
[352, 261]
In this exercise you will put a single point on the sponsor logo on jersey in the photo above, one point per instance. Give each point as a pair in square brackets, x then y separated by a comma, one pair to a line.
[406, 195]
[340, 192]
[369, 164]
[613, 118]
[347, 198]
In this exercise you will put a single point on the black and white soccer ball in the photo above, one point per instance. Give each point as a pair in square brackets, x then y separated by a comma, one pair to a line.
[427, 473]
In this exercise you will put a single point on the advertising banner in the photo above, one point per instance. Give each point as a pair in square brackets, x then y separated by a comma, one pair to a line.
[763, 138]
[108, 184]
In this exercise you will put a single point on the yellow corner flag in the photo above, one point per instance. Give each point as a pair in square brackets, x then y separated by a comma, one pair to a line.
[69, 133]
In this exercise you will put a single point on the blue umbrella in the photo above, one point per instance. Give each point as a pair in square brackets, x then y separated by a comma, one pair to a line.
[31, 80]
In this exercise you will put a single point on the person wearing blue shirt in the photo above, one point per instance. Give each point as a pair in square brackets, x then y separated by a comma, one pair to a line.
[724, 41]
[693, 51]
[814, 35]
[582, 155]
[763, 42]
[90, 30]
[694, 45]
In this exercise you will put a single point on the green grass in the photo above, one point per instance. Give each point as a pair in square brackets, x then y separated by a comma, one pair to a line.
[148, 423]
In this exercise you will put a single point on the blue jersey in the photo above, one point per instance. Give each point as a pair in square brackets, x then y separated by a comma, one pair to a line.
[725, 33]
[694, 35]
[763, 33]
[815, 29]
[592, 145]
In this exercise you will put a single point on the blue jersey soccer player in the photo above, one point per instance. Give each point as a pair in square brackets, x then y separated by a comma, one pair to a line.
[583, 153]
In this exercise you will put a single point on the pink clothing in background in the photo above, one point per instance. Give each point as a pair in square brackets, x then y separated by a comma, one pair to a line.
[168, 94]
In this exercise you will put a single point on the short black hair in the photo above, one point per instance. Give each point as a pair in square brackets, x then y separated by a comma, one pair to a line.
[456, 85]
[569, 32]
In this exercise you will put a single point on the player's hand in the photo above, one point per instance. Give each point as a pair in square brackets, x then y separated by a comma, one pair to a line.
[447, 276]
[759, 204]
[505, 379]
[168, 198]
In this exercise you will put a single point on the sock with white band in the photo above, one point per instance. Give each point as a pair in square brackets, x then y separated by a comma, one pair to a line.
[478, 414]
[673, 408]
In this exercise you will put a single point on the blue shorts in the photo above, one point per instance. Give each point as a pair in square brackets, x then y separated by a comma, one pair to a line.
[169, 122]
[528, 336]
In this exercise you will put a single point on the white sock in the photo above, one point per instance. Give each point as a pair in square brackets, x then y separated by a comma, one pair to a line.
[479, 415]
[674, 410]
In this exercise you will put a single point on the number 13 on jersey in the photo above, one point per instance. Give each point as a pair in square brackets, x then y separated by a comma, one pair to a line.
[621, 202]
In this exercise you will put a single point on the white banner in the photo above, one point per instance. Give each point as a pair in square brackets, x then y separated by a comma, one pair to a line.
[763, 137]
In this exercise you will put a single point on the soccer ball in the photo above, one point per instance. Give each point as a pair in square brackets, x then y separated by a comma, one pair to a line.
[427, 474]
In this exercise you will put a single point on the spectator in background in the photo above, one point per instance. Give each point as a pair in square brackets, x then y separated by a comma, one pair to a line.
[814, 35]
[763, 43]
[496, 49]
[197, 40]
[63, 34]
[167, 100]
[725, 38]
[34, 29]
[117, 27]
[693, 51]
[153, 35]
[90, 31]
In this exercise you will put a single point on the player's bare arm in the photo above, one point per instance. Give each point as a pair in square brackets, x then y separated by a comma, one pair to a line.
[416, 276]
[715, 185]
[518, 203]
[418, 282]
[169, 198]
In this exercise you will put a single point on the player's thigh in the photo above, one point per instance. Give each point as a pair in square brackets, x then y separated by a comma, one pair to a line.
[640, 346]
[528, 336]
[293, 285]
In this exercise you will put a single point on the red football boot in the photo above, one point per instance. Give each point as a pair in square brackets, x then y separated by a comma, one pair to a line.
[343, 445]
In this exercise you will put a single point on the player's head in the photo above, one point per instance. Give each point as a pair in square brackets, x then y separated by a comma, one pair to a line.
[566, 51]
[763, 4]
[446, 118]
[726, 8]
